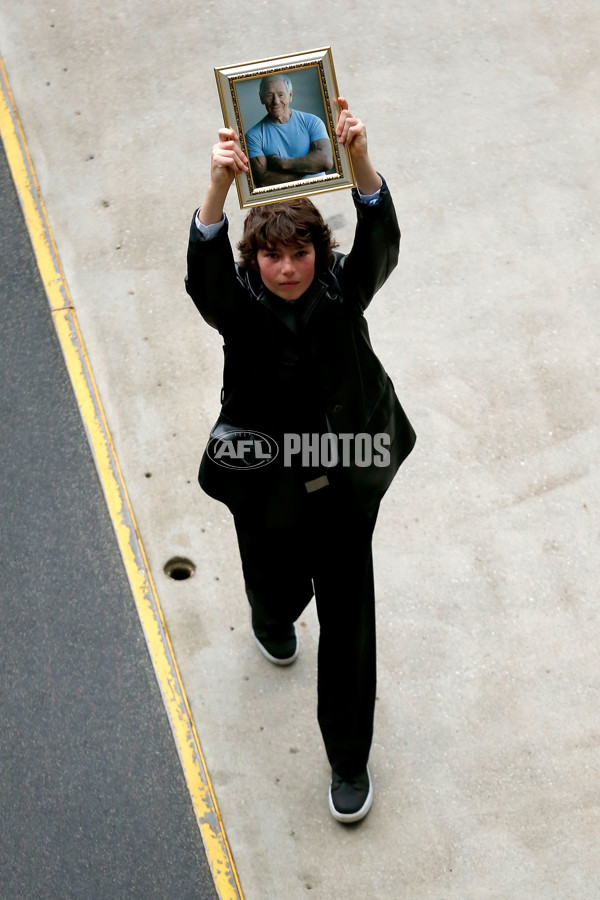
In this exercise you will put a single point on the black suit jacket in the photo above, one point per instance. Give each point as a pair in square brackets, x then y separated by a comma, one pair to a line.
[272, 365]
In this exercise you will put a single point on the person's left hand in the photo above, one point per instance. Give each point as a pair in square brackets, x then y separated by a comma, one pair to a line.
[350, 130]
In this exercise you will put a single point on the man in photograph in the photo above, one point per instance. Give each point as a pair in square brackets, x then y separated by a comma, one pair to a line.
[286, 145]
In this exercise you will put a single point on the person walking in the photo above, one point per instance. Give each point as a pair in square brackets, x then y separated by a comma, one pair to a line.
[300, 371]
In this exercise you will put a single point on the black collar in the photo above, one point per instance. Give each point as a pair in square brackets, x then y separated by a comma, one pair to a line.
[290, 312]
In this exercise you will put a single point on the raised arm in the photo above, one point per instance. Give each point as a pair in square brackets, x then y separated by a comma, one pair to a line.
[211, 276]
[227, 160]
[374, 252]
[352, 133]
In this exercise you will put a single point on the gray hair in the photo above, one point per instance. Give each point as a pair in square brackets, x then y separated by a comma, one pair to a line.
[267, 79]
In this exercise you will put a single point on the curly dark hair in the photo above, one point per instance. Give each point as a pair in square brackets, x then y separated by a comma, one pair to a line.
[286, 222]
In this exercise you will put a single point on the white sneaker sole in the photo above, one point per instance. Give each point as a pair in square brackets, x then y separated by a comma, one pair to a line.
[355, 816]
[274, 659]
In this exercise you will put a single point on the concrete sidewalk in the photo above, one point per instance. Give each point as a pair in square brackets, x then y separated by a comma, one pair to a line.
[484, 122]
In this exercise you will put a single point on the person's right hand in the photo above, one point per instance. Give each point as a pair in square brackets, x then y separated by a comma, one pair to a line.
[227, 158]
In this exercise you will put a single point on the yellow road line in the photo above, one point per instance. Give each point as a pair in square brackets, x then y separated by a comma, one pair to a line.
[148, 606]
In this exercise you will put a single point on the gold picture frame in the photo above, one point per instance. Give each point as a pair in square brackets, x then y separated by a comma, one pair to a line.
[248, 94]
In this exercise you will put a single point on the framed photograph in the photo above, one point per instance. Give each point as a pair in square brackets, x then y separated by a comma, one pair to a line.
[283, 111]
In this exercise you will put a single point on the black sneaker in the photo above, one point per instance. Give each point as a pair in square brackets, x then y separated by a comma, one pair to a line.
[350, 800]
[278, 643]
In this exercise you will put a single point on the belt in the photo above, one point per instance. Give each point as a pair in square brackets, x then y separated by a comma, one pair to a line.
[316, 484]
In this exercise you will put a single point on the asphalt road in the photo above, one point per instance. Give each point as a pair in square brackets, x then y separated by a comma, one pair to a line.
[93, 801]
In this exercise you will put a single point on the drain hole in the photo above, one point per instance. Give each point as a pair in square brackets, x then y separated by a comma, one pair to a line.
[179, 568]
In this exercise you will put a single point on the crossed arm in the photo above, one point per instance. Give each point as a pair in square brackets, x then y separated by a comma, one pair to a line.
[275, 169]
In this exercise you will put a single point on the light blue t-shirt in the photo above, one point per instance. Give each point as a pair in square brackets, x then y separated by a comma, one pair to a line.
[292, 138]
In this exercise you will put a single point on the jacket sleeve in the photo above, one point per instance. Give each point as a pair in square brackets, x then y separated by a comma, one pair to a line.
[211, 279]
[374, 253]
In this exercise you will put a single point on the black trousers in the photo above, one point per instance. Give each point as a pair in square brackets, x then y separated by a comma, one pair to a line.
[327, 551]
